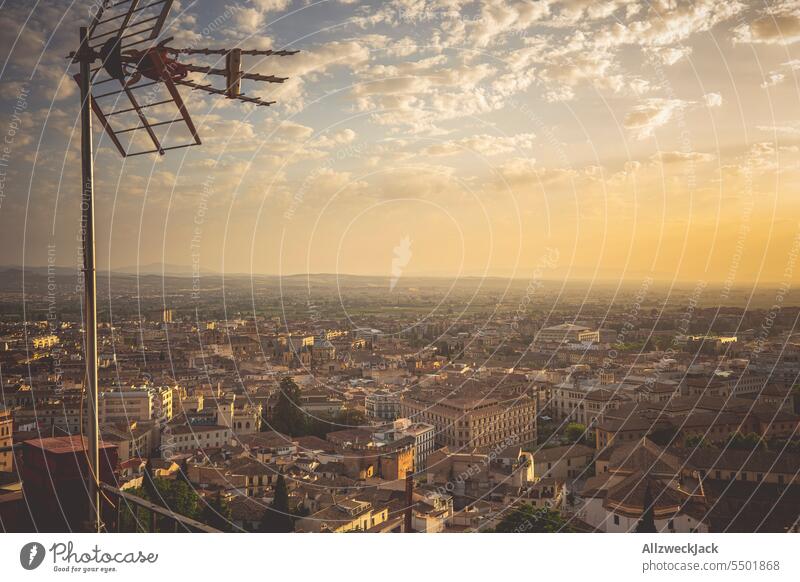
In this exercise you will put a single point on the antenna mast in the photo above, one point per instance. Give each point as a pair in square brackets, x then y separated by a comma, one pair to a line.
[117, 27]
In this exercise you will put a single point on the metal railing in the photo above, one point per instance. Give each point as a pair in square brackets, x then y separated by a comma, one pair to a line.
[158, 514]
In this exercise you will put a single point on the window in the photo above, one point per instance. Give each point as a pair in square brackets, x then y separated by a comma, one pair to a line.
[616, 520]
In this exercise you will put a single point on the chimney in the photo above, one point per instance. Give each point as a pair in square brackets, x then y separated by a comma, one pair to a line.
[408, 527]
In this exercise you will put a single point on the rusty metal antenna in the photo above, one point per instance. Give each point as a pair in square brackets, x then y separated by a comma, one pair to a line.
[115, 36]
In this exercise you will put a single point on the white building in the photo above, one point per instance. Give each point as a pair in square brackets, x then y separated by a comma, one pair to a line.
[382, 406]
[561, 333]
[188, 438]
[423, 434]
[125, 406]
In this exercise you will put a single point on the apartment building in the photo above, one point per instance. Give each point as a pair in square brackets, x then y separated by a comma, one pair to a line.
[424, 436]
[187, 438]
[125, 406]
[561, 333]
[382, 406]
[474, 422]
[586, 402]
[562, 463]
[135, 439]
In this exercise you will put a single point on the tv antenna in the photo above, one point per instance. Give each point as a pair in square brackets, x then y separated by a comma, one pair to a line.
[119, 55]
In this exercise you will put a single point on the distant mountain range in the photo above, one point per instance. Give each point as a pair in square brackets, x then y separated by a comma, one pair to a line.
[172, 270]
[168, 270]
[149, 269]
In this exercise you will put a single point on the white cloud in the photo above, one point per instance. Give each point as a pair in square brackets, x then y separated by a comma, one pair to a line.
[651, 114]
[773, 78]
[671, 55]
[777, 26]
[713, 99]
[271, 5]
[483, 144]
[682, 157]
[777, 76]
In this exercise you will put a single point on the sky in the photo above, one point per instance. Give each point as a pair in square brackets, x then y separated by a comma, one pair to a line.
[577, 139]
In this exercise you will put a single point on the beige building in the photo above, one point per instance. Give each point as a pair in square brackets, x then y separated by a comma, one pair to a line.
[6, 431]
[561, 333]
[474, 422]
[125, 406]
[245, 476]
[701, 489]
[344, 516]
[136, 439]
[562, 463]
[184, 439]
[162, 403]
[247, 419]
[587, 403]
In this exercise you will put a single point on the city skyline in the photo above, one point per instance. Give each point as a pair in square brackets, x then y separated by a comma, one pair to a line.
[438, 266]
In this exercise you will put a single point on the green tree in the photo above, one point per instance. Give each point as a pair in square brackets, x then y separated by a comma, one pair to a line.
[350, 417]
[277, 518]
[148, 481]
[665, 437]
[575, 432]
[216, 512]
[647, 523]
[132, 517]
[179, 497]
[748, 442]
[695, 441]
[528, 519]
[182, 476]
[321, 425]
[288, 417]
[175, 495]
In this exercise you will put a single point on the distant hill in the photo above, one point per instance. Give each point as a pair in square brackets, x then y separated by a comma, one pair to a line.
[162, 269]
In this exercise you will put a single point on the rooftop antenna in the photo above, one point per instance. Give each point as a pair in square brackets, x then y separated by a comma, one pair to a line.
[123, 37]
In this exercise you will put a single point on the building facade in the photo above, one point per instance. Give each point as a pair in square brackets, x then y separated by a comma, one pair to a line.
[475, 422]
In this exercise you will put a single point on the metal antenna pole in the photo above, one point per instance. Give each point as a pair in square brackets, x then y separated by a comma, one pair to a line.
[89, 281]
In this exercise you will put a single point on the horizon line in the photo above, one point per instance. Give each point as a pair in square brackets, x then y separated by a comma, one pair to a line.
[582, 279]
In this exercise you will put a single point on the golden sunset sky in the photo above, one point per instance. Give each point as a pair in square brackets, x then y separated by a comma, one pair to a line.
[635, 138]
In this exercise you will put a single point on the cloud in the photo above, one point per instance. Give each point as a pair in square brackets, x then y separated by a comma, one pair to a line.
[777, 76]
[781, 26]
[713, 99]
[651, 114]
[318, 60]
[773, 78]
[682, 157]
[670, 55]
[271, 5]
[248, 20]
[788, 129]
[334, 139]
[483, 144]
[668, 22]
[499, 17]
